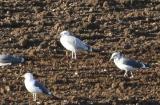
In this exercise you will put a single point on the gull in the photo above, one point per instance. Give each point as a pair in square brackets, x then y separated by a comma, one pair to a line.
[33, 86]
[126, 64]
[73, 44]
[10, 59]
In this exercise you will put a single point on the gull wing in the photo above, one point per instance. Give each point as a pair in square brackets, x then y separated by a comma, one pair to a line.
[11, 59]
[133, 63]
[42, 88]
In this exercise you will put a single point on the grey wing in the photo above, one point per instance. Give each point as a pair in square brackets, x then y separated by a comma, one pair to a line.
[133, 63]
[41, 87]
[70, 40]
[77, 43]
[81, 45]
[11, 59]
[5, 58]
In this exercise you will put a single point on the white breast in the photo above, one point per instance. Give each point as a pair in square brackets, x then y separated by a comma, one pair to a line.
[29, 84]
[68, 42]
[119, 63]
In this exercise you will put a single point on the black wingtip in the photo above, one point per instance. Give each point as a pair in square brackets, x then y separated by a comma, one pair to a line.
[96, 50]
[147, 65]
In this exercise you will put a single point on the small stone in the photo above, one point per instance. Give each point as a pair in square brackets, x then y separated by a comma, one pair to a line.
[56, 26]
[4, 80]
[91, 18]
[118, 91]
[127, 46]
[110, 34]
[24, 42]
[2, 91]
[91, 9]
[7, 88]
[76, 73]
[122, 85]
[105, 5]
[32, 52]
[104, 70]
[38, 103]
[114, 85]
[65, 101]
[93, 2]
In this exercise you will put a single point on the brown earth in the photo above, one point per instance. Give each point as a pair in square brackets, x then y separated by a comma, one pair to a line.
[31, 28]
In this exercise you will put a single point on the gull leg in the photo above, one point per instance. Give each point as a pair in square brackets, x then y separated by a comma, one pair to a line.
[34, 96]
[131, 75]
[72, 54]
[66, 53]
[125, 74]
[75, 56]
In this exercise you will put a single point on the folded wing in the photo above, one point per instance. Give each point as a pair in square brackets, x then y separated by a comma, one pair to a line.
[133, 63]
[42, 88]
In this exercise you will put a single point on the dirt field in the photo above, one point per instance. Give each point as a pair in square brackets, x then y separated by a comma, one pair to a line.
[31, 28]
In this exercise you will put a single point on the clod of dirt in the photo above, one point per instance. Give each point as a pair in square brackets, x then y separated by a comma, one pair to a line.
[24, 42]
[127, 46]
[105, 5]
[32, 52]
[157, 7]
[2, 91]
[43, 44]
[122, 85]
[114, 85]
[92, 2]
[118, 91]
[7, 88]
[91, 18]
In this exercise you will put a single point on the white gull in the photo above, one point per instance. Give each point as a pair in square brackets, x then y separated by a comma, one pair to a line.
[10, 59]
[126, 64]
[73, 44]
[34, 86]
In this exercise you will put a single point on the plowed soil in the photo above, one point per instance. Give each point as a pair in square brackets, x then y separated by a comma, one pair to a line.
[31, 28]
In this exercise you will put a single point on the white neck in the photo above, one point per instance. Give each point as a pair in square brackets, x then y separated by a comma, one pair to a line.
[29, 79]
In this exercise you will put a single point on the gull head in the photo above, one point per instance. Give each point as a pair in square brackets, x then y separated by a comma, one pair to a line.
[116, 55]
[28, 76]
[65, 33]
